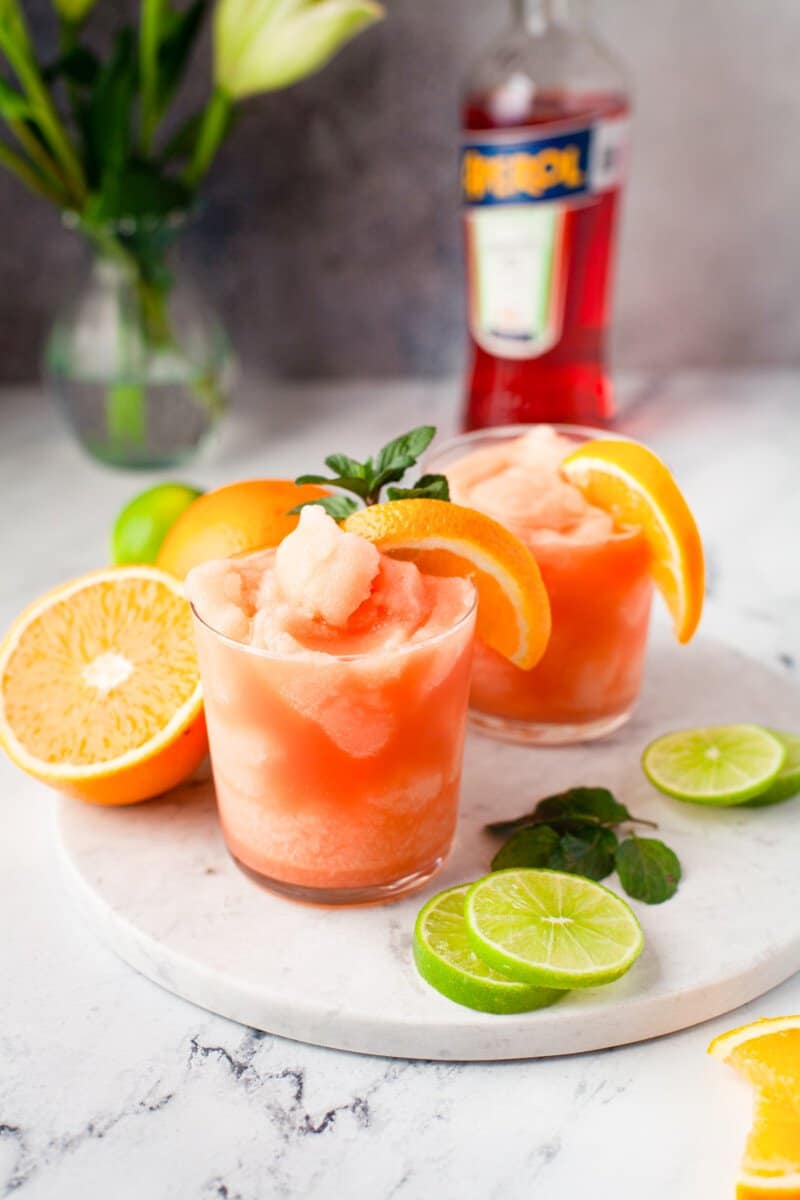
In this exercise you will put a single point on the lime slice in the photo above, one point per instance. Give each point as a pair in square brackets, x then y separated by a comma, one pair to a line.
[718, 765]
[146, 520]
[787, 782]
[551, 929]
[446, 961]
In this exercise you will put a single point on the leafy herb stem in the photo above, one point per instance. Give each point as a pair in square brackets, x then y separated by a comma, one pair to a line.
[367, 480]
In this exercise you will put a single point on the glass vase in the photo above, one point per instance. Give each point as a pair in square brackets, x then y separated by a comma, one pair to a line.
[138, 362]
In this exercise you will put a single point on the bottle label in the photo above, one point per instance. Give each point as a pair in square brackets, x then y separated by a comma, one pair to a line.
[518, 187]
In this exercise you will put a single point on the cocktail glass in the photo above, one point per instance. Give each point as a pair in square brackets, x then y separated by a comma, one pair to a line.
[338, 776]
[600, 592]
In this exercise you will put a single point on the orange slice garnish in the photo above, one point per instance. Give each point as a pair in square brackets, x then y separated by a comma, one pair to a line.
[252, 515]
[632, 484]
[447, 539]
[100, 689]
[767, 1054]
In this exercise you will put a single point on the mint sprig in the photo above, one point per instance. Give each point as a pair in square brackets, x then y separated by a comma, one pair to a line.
[574, 831]
[366, 480]
[571, 810]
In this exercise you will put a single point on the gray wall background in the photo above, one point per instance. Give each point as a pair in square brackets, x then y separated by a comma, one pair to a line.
[331, 236]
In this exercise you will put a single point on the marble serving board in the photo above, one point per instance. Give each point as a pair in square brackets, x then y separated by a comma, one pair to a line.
[155, 883]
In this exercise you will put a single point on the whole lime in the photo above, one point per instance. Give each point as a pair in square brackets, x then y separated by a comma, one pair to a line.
[146, 520]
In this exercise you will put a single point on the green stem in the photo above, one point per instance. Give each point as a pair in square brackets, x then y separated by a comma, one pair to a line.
[213, 127]
[39, 156]
[15, 44]
[67, 41]
[26, 174]
[149, 39]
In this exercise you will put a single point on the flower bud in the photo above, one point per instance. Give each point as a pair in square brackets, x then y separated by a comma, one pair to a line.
[264, 45]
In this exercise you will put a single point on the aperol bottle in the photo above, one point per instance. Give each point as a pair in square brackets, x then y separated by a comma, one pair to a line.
[545, 120]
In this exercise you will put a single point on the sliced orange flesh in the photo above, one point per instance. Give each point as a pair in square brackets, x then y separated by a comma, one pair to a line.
[252, 515]
[767, 1054]
[448, 539]
[632, 484]
[100, 689]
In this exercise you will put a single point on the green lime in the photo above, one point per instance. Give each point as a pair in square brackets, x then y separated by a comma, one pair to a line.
[551, 929]
[718, 765]
[446, 961]
[146, 520]
[787, 782]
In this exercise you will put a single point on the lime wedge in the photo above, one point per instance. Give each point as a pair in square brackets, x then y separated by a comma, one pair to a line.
[446, 961]
[551, 929]
[718, 765]
[787, 782]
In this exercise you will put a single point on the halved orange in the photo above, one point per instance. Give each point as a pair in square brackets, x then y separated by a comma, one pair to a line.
[237, 518]
[100, 689]
[767, 1054]
[636, 488]
[447, 539]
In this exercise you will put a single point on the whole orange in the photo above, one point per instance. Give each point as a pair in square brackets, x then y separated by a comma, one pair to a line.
[251, 515]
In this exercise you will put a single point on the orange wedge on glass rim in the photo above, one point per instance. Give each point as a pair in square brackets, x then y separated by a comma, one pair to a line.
[448, 539]
[251, 515]
[100, 689]
[632, 484]
[767, 1054]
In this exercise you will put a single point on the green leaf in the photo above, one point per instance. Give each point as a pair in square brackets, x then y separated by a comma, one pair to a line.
[647, 869]
[181, 29]
[582, 805]
[349, 483]
[589, 852]
[13, 105]
[343, 465]
[180, 146]
[427, 487]
[338, 507]
[139, 190]
[528, 848]
[312, 479]
[402, 452]
[571, 809]
[109, 111]
[80, 67]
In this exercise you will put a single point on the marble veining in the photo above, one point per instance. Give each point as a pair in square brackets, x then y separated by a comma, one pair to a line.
[111, 1087]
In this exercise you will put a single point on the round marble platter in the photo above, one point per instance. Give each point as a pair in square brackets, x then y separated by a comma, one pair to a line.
[155, 883]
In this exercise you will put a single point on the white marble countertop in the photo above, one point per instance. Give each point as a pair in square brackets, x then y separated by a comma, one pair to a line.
[113, 1088]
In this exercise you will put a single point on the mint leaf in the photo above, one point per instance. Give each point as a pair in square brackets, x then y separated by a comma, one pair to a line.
[366, 479]
[404, 451]
[427, 487]
[589, 853]
[348, 483]
[342, 465]
[528, 848]
[582, 805]
[570, 811]
[647, 869]
[338, 507]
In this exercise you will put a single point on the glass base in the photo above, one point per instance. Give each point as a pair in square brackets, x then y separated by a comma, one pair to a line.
[381, 893]
[533, 733]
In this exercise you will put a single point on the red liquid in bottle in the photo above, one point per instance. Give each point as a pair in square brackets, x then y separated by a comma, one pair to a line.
[567, 382]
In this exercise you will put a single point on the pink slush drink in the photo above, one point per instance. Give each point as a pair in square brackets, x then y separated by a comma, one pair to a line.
[336, 682]
[598, 576]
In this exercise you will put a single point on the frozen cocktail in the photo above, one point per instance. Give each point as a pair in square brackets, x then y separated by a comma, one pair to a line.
[598, 564]
[336, 682]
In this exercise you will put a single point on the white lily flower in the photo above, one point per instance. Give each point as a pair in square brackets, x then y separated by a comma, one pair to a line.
[74, 11]
[264, 45]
